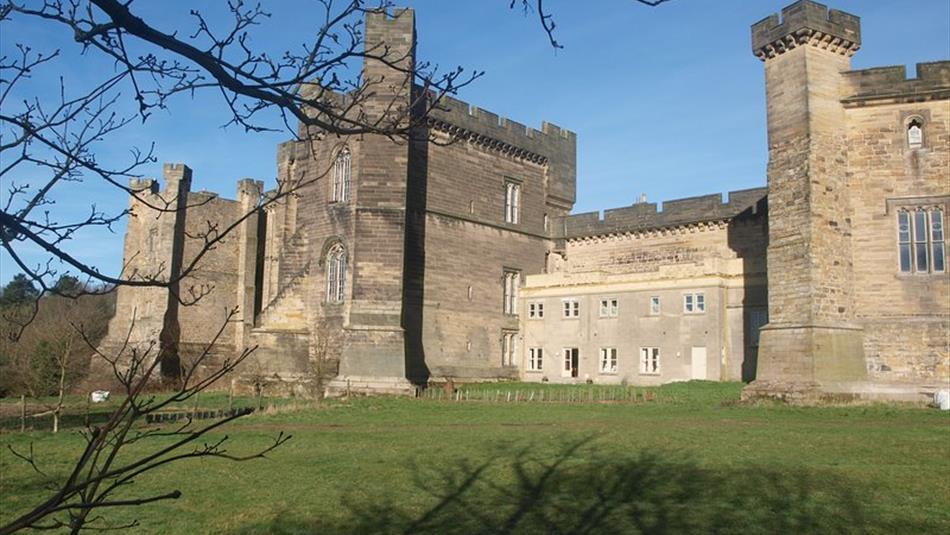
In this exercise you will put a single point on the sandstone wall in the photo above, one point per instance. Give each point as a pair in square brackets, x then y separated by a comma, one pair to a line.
[906, 317]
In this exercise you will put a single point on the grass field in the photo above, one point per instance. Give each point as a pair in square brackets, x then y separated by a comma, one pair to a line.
[690, 460]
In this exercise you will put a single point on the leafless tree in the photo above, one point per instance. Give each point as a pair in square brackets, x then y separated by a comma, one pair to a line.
[100, 473]
[546, 18]
[48, 143]
[55, 141]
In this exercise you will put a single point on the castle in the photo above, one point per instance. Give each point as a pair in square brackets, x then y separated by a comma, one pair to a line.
[400, 263]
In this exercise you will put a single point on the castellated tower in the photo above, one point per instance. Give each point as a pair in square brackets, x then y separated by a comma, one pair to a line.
[811, 341]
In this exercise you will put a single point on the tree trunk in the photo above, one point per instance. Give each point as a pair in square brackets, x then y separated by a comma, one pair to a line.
[63, 364]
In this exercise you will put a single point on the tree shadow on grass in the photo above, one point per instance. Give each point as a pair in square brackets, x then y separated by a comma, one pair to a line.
[589, 492]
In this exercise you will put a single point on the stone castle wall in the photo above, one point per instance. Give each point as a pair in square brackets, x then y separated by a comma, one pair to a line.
[906, 317]
[428, 246]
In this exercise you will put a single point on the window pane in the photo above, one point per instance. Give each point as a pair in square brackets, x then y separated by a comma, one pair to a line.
[936, 225]
[939, 258]
[700, 302]
[905, 257]
[903, 227]
[921, 255]
[920, 226]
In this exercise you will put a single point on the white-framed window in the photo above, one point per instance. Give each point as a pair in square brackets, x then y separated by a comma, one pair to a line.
[511, 282]
[512, 202]
[571, 308]
[654, 305]
[535, 310]
[920, 240]
[535, 359]
[571, 362]
[342, 167]
[649, 361]
[757, 319]
[609, 307]
[509, 343]
[608, 360]
[915, 133]
[336, 273]
[694, 303]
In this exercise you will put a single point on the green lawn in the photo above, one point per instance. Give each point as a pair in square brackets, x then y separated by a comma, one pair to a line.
[691, 460]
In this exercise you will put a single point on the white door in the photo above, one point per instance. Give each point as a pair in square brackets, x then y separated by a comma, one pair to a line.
[699, 363]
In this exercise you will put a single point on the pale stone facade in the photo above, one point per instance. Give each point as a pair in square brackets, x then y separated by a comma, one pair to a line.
[430, 261]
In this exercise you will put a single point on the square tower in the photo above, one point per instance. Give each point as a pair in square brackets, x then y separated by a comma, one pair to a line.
[811, 343]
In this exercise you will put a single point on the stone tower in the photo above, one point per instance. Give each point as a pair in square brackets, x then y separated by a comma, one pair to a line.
[811, 343]
[374, 345]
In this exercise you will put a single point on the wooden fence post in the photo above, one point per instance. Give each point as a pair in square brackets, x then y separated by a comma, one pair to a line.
[22, 413]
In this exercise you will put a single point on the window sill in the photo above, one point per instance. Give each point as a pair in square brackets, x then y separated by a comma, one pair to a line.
[534, 371]
[652, 374]
[609, 373]
[920, 275]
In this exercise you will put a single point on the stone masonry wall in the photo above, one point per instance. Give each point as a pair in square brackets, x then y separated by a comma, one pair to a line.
[906, 316]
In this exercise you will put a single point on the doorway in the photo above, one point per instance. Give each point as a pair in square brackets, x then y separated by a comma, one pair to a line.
[698, 368]
[571, 361]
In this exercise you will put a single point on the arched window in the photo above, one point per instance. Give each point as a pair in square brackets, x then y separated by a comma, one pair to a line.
[915, 133]
[341, 177]
[336, 274]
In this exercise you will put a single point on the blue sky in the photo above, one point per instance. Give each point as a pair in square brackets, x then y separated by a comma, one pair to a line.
[666, 101]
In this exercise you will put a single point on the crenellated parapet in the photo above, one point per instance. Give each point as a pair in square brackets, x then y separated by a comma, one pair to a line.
[679, 212]
[891, 85]
[806, 23]
[552, 146]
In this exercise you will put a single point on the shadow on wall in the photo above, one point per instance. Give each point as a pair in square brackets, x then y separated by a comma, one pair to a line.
[748, 237]
[414, 259]
[587, 493]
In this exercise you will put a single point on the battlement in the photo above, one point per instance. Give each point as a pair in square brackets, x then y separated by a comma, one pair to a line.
[806, 22]
[646, 216]
[464, 115]
[891, 83]
[382, 17]
[552, 145]
[143, 185]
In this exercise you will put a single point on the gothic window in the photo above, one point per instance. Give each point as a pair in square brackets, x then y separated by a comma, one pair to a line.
[920, 241]
[508, 346]
[512, 202]
[341, 177]
[336, 274]
[511, 283]
[915, 133]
